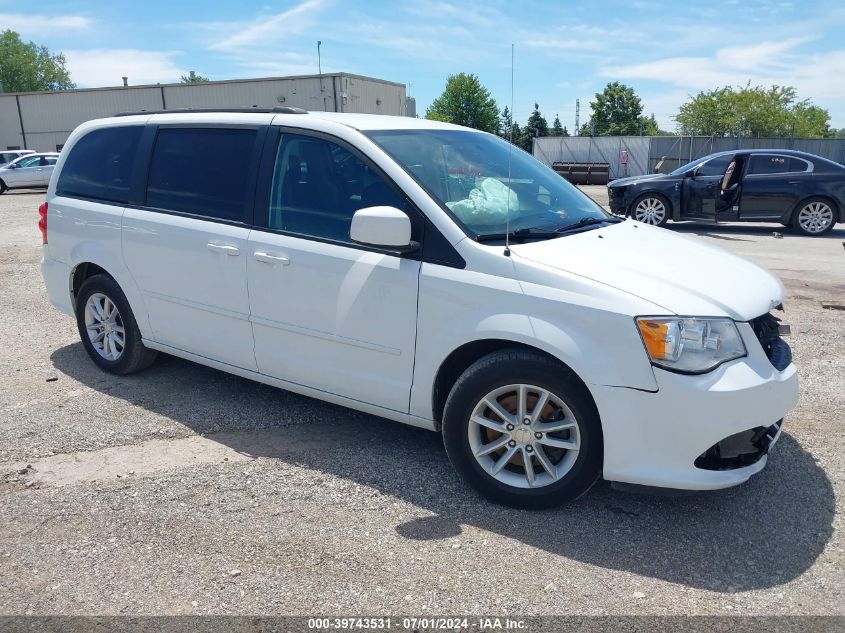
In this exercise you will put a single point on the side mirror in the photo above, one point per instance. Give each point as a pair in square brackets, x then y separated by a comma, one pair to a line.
[385, 227]
[13, 166]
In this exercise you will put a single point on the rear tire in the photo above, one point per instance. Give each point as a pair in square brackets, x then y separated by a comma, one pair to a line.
[558, 437]
[814, 216]
[651, 208]
[108, 328]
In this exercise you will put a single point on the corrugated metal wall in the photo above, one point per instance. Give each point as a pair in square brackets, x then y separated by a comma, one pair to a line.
[596, 149]
[647, 154]
[49, 117]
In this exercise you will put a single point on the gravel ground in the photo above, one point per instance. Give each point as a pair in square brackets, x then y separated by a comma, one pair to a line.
[186, 490]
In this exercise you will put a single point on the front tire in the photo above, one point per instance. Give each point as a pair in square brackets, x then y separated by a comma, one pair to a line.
[108, 328]
[523, 431]
[3, 187]
[813, 217]
[651, 208]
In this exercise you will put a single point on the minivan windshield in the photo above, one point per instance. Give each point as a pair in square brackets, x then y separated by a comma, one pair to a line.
[466, 172]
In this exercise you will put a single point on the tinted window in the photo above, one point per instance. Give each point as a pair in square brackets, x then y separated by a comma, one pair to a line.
[318, 185]
[100, 165]
[51, 160]
[770, 164]
[202, 171]
[715, 166]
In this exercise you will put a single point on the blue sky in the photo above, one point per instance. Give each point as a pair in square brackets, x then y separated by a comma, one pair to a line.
[564, 50]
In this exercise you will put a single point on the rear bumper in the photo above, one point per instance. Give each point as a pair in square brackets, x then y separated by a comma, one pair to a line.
[56, 276]
[655, 439]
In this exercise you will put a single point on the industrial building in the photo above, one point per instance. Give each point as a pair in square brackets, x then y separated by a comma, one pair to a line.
[42, 121]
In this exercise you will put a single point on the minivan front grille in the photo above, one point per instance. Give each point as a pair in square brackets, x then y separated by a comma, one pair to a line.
[767, 330]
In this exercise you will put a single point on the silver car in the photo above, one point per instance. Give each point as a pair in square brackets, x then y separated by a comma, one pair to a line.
[30, 171]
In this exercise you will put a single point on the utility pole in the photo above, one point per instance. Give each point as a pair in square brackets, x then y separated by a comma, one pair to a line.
[577, 117]
[320, 73]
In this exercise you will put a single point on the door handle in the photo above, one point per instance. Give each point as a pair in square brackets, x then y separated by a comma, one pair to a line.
[794, 182]
[232, 251]
[267, 258]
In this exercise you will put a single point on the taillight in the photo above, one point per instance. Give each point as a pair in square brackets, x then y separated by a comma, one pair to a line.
[42, 221]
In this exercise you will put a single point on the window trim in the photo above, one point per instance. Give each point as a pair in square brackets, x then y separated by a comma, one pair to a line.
[261, 209]
[144, 157]
[751, 157]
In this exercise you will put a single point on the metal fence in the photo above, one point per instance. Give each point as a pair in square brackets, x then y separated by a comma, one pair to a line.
[649, 154]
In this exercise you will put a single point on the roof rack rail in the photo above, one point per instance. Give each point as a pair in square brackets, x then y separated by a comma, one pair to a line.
[278, 110]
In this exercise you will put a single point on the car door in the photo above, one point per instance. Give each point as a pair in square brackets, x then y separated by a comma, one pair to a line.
[772, 186]
[186, 244]
[702, 191]
[328, 313]
[43, 171]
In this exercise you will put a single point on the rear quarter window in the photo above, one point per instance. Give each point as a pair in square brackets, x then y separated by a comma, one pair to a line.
[100, 164]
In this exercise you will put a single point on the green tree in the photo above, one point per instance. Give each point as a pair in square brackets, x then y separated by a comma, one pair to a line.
[29, 67]
[194, 78]
[557, 128]
[505, 123]
[752, 111]
[465, 101]
[615, 112]
[537, 124]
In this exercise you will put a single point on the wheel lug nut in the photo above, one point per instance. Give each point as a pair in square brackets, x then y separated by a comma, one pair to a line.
[538, 435]
[511, 443]
[509, 427]
[529, 449]
[527, 421]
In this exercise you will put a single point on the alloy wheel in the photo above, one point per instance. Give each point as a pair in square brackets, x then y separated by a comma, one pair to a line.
[104, 326]
[815, 217]
[524, 436]
[650, 211]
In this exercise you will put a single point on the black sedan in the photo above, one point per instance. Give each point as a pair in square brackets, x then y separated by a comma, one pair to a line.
[786, 186]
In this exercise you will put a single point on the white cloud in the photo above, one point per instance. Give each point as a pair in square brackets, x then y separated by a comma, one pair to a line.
[36, 25]
[265, 29]
[105, 67]
[766, 63]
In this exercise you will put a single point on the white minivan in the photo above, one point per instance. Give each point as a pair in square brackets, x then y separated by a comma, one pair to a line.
[426, 273]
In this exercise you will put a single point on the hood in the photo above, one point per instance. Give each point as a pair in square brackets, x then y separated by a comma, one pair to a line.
[682, 275]
[633, 180]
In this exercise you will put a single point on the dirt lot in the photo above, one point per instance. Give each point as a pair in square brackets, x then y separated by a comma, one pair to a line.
[187, 490]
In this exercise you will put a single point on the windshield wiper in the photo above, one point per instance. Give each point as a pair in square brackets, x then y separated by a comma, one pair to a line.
[588, 222]
[520, 235]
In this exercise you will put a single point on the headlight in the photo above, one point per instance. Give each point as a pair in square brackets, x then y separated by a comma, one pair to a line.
[690, 345]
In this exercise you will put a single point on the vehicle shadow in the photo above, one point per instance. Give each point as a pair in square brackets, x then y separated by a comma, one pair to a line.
[729, 231]
[762, 534]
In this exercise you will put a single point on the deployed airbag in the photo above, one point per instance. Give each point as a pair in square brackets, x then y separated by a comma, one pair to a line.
[487, 203]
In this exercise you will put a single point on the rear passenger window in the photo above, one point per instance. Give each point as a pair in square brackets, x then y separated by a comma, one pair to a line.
[769, 164]
[99, 165]
[319, 185]
[202, 171]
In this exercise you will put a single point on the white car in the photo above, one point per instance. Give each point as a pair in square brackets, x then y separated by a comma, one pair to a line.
[426, 273]
[7, 156]
[31, 171]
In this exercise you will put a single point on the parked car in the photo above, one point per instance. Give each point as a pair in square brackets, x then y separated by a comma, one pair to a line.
[790, 187]
[28, 172]
[426, 273]
[7, 156]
